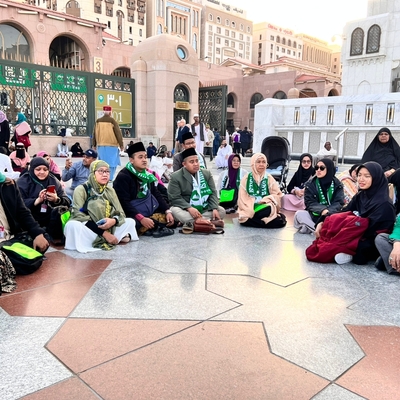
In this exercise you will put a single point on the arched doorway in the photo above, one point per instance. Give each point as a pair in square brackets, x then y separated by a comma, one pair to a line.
[65, 52]
[333, 92]
[182, 106]
[306, 93]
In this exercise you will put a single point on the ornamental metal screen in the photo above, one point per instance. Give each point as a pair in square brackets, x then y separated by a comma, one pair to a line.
[212, 106]
[54, 99]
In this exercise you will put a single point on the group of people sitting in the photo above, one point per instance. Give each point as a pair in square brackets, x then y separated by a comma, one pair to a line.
[139, 204]
[315, 193]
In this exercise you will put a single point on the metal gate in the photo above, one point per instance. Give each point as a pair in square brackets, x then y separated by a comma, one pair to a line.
[54, 99]
[212, 106]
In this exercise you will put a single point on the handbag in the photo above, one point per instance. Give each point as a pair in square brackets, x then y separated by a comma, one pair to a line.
[226, 195]
[146, 205]
[24, 258]
[22, 129]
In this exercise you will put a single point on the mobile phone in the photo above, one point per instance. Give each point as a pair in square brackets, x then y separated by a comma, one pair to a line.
[51, 189]
[101, 221]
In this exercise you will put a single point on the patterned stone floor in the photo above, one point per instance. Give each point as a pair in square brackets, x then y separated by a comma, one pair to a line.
[236, 316]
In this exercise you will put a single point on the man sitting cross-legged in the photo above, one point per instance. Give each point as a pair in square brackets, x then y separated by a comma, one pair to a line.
[191, 191]
[139, 196]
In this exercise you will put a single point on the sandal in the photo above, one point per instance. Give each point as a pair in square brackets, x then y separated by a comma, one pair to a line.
[126, 239]
[187, 228]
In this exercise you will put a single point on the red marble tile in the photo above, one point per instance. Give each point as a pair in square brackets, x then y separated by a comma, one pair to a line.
[213, 360]
[58, 268]
[55, 289]
[56, 300]
[84, 343]
[71, 389]
[376, 376]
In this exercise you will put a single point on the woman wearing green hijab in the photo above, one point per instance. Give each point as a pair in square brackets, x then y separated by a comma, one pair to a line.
[97, 220]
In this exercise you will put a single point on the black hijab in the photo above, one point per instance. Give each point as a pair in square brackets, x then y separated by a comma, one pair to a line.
[36, 162]
[302, 175]
[385, 154]
[377, 193]
[326, 181]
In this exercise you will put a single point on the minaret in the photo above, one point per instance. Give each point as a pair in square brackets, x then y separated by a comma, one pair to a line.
[377, 7]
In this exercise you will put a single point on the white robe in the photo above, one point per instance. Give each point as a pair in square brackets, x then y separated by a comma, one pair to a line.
[6, 167]
[221, 161]
[80, 238]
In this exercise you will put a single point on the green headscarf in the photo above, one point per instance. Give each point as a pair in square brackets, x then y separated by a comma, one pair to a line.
[2, 177]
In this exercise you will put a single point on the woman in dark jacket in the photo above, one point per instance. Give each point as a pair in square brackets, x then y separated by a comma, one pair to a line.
[41, 191]
[323, 194]
[19, 218]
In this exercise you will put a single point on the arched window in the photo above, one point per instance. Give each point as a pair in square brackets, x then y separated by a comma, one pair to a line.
[278, 39]
[295, 45]
[255, 99]
[181, 94]
[159, 29]
[284, 41]
[231, 101]
[373, 39]
[280, 95]
[210, 17]
[289, 43]
[357, 42]
[13, 44]
[194, 42]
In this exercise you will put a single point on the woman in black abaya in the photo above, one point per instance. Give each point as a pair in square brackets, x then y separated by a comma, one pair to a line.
[385, 151]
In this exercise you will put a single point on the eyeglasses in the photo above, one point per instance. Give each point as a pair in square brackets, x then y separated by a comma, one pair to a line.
[189, 143]
[103, 171]
[321, 167]
[306, 161]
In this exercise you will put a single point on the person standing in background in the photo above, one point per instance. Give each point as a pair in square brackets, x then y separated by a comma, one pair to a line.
[208, 146]
[236, 137]
[245, 140]
[107, 140]
[151, 150]
[198, 132]
[217, 142]
[4, 130]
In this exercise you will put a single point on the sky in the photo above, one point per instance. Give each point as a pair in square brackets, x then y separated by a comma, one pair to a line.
[320, 18]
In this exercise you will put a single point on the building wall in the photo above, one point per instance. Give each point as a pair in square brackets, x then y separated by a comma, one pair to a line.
[125, 19]
[176, 17]
[225, 35]
[268, 48]
[316, 51]
[361, 115]
[374, 72]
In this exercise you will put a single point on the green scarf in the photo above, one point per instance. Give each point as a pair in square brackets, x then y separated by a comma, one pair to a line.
[144, 177]
[225, 181]
[322, 199]
[257, 191]
[201, 192]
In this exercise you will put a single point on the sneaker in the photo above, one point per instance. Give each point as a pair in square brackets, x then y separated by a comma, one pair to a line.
[304, 229]
[343, 258]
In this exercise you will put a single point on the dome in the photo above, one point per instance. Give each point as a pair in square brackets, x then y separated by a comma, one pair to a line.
[166, 48]
[293, 93]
